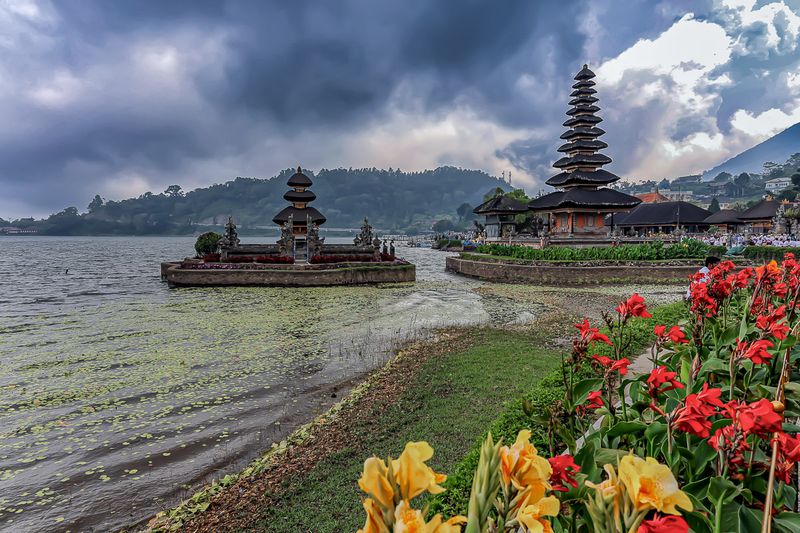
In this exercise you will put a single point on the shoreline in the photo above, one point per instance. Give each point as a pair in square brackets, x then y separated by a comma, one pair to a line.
[362, 388]
[323, 456]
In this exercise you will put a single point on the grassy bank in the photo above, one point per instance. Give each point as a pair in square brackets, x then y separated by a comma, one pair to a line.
[449, 404]
[544, 394]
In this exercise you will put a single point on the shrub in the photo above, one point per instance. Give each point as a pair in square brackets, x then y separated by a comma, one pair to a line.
[207, 243]
[656, 250]
[273, 259]
[240, 259]
[766, 253]
[342, 258]
[387, 257]
[211, 258]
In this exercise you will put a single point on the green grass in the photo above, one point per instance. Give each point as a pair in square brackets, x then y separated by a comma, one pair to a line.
[544, 394]
[449, 403]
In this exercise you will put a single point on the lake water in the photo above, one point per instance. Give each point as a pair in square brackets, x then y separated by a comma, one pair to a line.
[120, 394]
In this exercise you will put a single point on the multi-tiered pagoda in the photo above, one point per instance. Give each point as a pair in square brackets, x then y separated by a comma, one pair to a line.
[580, 204]
[300, 213]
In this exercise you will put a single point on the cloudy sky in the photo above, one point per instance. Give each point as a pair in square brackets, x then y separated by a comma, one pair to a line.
[122, 97]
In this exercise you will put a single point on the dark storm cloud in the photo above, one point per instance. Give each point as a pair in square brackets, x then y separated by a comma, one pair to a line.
[286, 67]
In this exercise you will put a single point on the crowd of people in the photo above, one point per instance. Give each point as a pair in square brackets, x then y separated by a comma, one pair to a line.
[734, 240]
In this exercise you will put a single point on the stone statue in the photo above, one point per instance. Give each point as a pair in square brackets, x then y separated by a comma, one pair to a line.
[385, 249]
[231, 237]
[286, 242]
[313, 241]
[366, 236]
[391, 248]
[779, 222]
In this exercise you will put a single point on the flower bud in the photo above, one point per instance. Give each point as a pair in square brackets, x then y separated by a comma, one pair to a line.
[778, 407]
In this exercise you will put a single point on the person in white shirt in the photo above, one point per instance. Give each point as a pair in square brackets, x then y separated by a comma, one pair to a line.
[711, 262]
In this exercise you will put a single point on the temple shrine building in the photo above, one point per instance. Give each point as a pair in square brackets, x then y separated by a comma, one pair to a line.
[579, 206]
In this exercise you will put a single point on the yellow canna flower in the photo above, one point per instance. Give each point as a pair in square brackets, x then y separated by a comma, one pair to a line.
[408, 520]
[375, 482]
[452, 525]
[413, 476]
[521, 465]
[651, 485]
[532, 515]
[375, 522]
[609, 488]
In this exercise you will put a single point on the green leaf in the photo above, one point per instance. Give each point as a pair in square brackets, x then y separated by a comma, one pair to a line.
[655, 429]
[703, 454]
[787, 522]
[609, 456]
[714, 364]
[723, 489]
[625, 428]
[581, 390]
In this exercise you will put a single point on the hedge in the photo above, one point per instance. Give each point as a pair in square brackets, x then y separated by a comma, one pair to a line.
[767, 253]
[549, 391]
[656, 250]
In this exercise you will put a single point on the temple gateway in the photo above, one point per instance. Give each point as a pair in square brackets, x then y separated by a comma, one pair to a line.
[579, 206]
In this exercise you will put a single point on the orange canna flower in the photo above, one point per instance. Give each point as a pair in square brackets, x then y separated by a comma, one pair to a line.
[521, 465]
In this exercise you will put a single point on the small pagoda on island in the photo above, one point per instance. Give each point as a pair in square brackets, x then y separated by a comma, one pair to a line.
[300, 258]
[300, 213]
[577, 209]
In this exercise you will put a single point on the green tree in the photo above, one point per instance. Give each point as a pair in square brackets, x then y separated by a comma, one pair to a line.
[519, 194]
[497, 191]
[463, 210]
[443, 225]
[714, 205]
[742, 181]
[207, 243]
[796, 179]
[96, 203]
[173, 191]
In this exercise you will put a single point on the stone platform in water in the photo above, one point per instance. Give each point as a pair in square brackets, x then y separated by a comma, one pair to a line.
[182, 274]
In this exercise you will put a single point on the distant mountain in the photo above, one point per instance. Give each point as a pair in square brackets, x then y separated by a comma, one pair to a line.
[776, 149]
[392, 199]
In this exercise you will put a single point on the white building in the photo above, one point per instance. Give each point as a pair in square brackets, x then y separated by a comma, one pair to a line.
[778, 184]
[678, 196]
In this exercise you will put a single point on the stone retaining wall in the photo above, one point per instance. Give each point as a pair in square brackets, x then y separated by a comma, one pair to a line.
[570, 275]
[294, 276]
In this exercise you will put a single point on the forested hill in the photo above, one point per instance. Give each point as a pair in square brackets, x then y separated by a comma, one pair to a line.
[392, 199]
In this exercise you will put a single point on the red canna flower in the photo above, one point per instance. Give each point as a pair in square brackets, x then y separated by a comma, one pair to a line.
[743, 277]
[695, 415]
[659, 330]
[590, 334]
[664, 524]
[594, 400]
[677, 336]
[633, 306]
[759, 418]
[790, 446]
[756, 352]
[611, 365]
[564, 470]
[662, 380]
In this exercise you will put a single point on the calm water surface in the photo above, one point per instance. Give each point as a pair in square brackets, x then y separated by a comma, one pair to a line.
[120, 394]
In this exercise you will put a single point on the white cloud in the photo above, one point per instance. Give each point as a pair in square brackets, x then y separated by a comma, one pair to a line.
[766, 124]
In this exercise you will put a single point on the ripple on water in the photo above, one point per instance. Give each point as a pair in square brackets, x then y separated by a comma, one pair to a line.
[117, 391]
